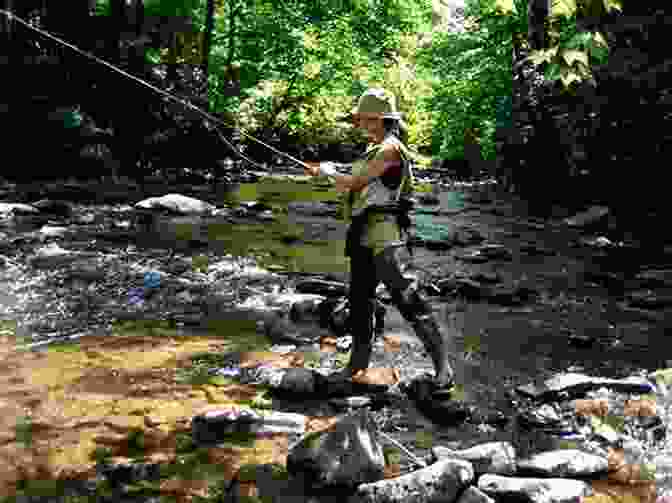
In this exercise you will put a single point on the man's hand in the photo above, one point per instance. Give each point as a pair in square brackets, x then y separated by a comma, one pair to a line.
[312, 168]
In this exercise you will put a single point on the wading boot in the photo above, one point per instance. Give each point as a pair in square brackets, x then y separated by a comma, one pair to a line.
[436, 343]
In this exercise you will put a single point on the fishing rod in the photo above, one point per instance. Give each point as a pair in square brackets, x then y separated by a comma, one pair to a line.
[183, 102]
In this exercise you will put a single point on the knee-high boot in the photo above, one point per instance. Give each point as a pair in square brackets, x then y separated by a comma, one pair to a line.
[436, 343]
[362, 330]
[417, 312]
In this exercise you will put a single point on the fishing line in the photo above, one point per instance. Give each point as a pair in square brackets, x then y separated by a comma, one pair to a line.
[166, 94]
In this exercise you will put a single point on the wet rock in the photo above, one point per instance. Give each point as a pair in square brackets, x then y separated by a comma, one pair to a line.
[474, 495]
[51, 231]
[564, 463]
[536, 250]
[551, 490]
[487, 278]
[17, 209]
[315, 208]
[54, 207]
[590, 216]
[176, 203]
[305, 311]
[546, 417]
[428, 199]
[322, 287]
[473, 257]
[574, 384]
[52, 255]
[280, 330]
[649, 299]
[346, 454]
[442, 481]
[491, 457]
[443, 412]
[653, 278]
[512, 295]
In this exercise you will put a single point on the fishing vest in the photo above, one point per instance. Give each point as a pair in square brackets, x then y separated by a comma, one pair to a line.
[377, 203]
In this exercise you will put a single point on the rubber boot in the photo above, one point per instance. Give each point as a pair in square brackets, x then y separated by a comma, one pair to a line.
[436, 343]
[362, 332]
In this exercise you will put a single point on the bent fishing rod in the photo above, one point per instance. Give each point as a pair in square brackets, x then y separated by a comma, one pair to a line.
[210, 118]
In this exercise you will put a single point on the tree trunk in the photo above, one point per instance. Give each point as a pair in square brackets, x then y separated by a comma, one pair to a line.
[537, 14]
[118, 14]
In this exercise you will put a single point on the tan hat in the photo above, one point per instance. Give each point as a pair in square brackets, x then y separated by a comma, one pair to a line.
[376, 101]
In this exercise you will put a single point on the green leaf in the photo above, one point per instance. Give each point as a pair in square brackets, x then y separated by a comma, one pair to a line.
[570, 56]
[553, 72]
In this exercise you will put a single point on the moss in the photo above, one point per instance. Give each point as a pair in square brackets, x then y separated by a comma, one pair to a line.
[424, 439]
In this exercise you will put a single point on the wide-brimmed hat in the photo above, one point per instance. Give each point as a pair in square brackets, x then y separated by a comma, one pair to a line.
[376, 101]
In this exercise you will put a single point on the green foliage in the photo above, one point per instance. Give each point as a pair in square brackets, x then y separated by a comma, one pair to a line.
[472, 73]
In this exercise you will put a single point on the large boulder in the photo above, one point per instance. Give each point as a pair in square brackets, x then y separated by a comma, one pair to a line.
[490, 457]
[346, 454]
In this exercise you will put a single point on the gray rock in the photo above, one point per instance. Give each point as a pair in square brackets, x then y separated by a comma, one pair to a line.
[347, 454]
[574, 384]
[591, 215]
[17, 209]
[649, 299]
[439, 482]
[564, 463]
[474, 495]
[491, 457]
[54, 207]
[535, 490]
[655, 278]
[176, 203]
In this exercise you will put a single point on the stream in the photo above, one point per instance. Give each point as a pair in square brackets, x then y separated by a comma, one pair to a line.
[567, 302]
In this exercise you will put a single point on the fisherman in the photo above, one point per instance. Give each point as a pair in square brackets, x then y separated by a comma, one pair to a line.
[375, 206]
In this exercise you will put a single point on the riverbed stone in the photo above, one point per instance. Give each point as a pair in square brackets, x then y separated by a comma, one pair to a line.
[176, 203]
[573, 385]
[17, 209]
[473, 494]
[441, 481]
[54, 207]
[346, 454]
[564, 463]
[536, 490]
[490, 457]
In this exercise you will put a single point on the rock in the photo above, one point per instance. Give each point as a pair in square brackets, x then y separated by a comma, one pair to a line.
[54, 207]
[491, 457]
[345, 454]
[305, 310]
[50, 231]
[590, 216]
[176, 203]
[573, 384]
[551, 490]
[17, 209]
[428, 199]
[281, 330]
[495, 252]
[322, 287]
[474, 495]
[53, 255]
[649, 299]
[512, 295]
[489, 278]
[314, 208]
[444, 412]
[545, 417]
[474, 257]
[536, 250]
[566, 463]
[441, 481]
[653, 278]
